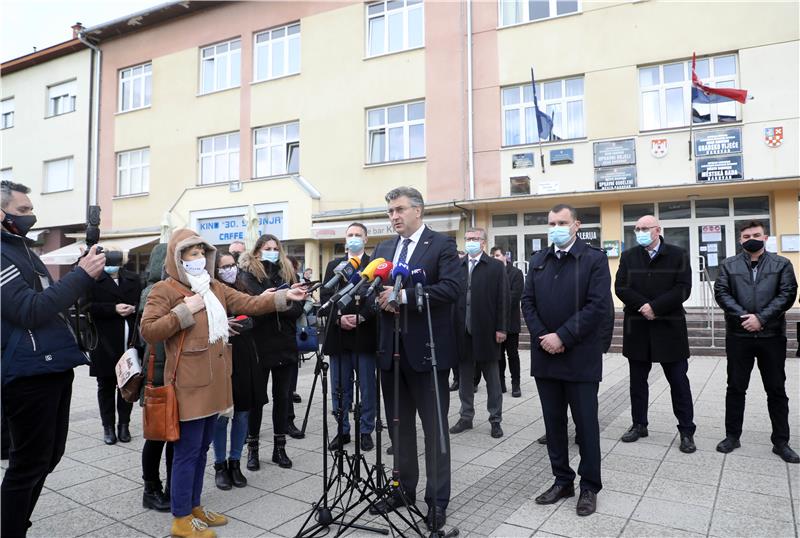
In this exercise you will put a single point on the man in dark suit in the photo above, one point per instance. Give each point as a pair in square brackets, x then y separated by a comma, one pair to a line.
[481, 316]
[348, 355]
[654, 279]
[566, 304]
[510, 348]
[419, 247]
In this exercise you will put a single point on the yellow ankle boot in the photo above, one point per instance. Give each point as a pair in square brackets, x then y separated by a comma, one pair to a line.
[191, 527]
[212, 519]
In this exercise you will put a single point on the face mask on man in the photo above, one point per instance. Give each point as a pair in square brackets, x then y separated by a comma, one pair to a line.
[19, 224]
[472, 247]
[111, 269]
[195, 267]
[271, 256]
[559, 235]
[228, 274]
[643, 238]
[355, 244]
[753, 245]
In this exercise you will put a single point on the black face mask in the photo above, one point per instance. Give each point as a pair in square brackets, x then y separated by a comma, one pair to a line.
[19, 224]
[753, 245]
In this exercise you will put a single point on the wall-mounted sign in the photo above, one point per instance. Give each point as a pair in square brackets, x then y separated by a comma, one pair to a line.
[522, 160]
[612, 248]
[548, 187]
[721, 168]
[773, 136]
[718, 142]
[520, 185]
[561, 156]
[223, 230]
[614, 178]
[614, 153]
[658, 147]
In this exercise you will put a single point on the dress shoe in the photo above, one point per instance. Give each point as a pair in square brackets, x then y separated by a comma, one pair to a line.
[123, 433]
[542, 440]
[786, 453]
[634, 433]
[389, 504]
[366, 442]
[515, 390]
[438, 515]
[293, 432]
[296, 398]
[237, 478]
[587, 503]
[222, 478]
[555, 494]
[109, 437]
[454, 385]
[497, 431]
[687, 444]
[728, 444]
[460, 426]
[339, 441]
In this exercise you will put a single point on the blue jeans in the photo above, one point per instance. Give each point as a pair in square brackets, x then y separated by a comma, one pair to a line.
[342, 367]
[238, 435]
[189, 464]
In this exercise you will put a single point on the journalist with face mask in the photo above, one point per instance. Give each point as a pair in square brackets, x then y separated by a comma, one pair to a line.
[39, 353]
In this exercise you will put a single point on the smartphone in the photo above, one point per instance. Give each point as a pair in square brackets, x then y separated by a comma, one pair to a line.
[282, 287]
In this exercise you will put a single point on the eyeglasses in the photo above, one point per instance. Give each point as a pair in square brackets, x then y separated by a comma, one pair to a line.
[392, 210]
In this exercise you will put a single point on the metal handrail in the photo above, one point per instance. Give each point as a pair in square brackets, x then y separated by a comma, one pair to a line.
[708, 298]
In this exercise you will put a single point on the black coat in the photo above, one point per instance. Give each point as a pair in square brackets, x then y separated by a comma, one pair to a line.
[436, 253]
[769, 297]
[571, 297]
[665, 283]
[338, 340]
[488, 306]
[104, 297]
[516, 283]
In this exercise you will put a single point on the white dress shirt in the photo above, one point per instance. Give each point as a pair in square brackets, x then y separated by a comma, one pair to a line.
[411, 246]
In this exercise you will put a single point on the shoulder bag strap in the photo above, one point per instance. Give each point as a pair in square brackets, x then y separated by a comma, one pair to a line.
[186, 293]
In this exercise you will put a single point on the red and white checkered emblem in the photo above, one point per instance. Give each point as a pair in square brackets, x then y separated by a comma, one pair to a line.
[773, 136]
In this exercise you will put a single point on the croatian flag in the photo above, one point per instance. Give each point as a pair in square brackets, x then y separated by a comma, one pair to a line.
[707, 95]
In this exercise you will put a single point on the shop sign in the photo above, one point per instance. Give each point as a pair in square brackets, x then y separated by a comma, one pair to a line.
[224, 230]
[614, 153]
[722, 168]
[615, 178]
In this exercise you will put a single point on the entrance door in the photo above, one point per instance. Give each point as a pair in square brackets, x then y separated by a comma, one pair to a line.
[682, 236]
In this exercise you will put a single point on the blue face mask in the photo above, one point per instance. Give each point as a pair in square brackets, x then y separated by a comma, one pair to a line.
[355, 244]
[111, 269]
[271, 256]
[472, 247]
[559, 235]
[643, 238]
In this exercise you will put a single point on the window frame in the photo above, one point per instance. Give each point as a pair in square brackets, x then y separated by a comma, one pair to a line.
[71, 98]
[144, 78]
[289, 147]
[406, 8]
[214, 153]
[7, 170]
[7, 114]
[265, 47]
[525, 14]
[406, 125]
[70, 176]
[143, 167]
[229, 65]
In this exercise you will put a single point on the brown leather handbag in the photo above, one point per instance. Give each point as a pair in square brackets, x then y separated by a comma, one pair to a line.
[161, 419]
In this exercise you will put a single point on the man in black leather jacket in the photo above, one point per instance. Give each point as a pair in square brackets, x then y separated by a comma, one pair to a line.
[755, 289]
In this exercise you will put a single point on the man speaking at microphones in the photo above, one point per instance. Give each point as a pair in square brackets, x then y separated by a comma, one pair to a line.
[418, 247]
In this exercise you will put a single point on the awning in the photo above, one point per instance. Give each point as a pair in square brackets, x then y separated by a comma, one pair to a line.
[381, 227]
[69, 254]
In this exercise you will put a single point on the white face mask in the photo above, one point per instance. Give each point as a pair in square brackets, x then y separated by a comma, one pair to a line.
[195, 267]
[228, 274]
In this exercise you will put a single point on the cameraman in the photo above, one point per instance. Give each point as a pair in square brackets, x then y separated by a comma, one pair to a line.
[39, 353]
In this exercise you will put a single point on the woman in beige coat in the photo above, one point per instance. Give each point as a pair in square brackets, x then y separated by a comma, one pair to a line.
[190, 306]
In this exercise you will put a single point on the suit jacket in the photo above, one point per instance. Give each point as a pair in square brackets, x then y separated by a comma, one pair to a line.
[104, 297]
[516, 283]
[436, 253]
[488, 308]
[572, 298]
[664, 282]
[337, 340]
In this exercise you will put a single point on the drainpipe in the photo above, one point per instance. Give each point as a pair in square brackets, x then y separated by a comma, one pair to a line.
[94, 116]
[470, 145]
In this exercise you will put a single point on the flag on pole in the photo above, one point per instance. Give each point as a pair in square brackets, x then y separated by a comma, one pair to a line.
[707, 95]
[544, 123]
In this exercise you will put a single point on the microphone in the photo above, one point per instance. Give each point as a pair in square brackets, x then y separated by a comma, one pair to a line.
[399, 274]
[367, 275]
[382, 274]
[343, 272]
[354, 279]
[418, 278]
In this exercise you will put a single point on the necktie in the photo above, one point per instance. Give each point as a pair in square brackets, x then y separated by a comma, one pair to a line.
[560, 254]
[404, 251]
[468, 319]
[652, 253]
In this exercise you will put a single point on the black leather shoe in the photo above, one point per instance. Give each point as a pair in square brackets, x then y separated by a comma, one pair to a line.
[337, 442]
[687, 444]
[587, 503]
[389, 504]
[454, 385]
[786, 453]
[497, 431]
[296, 398]
[109, 437]
[728, 445]
[366, 442]
[123, 433]
[293, 432]
[515, 390]
[222, 478]
[253, 464]
[542, 440]
[237, 478]
[555, 494]
[461, 426]
[436, 518]
[154, 498]
[634, 433]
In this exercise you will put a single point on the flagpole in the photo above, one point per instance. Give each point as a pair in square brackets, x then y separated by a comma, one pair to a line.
[538, 125]
[691, 105]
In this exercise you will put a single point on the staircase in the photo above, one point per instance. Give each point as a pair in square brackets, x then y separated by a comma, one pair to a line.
[699, 325]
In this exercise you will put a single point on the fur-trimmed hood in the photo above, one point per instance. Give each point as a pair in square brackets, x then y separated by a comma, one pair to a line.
[180, 241]
[253, 265]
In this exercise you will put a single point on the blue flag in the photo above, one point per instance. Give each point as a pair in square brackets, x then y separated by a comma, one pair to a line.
[544, 123]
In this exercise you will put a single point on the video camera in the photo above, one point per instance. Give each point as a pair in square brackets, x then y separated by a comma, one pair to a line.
[113, 257]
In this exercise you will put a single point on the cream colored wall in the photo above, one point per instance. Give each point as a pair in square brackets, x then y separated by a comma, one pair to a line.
[35, 138]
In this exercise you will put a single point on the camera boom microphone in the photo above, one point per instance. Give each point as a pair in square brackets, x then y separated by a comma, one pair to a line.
[418, 279]
[367, 275]
[382, 274]
[399, 274]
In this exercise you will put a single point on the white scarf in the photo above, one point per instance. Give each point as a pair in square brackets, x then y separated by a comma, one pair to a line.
[217, 317]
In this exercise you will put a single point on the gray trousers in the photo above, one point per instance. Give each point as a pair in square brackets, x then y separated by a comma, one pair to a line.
[491, 373]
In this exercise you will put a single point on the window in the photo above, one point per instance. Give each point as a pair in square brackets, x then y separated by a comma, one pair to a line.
[538, 218]
[135, 87]
[758, 205]
[666, 93]
[277, 52]
[396, 133]
[221, 66]
[711, 208]
[219, 158]
[58, 175]
[505, 220]
[633, 212]
[5, 174]
[394, 25]
[277, 149]
[517, 11]
[133, 172]
[674, 210]
[562, 100]
[61, 98]
[7, 111]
